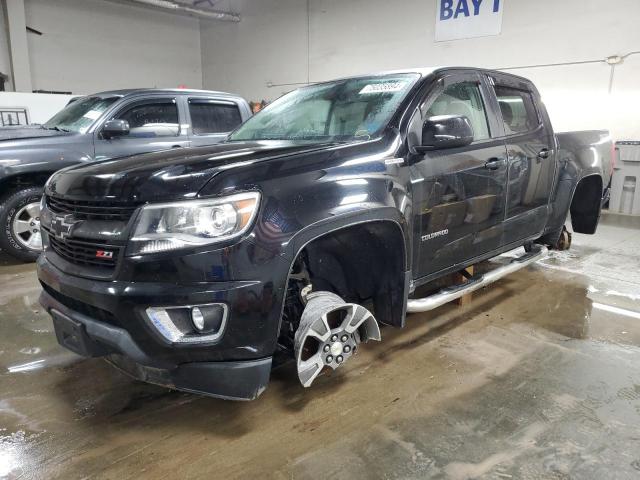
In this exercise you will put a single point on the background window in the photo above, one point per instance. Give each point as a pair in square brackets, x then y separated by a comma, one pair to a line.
[518, 110]
[213, 117]
[152, 120]
[463, 99]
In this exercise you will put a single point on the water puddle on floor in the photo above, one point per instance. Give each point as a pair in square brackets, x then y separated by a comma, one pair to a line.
[538, 377]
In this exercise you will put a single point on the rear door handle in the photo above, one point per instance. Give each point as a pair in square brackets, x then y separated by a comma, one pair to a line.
[176, 146]
[545, 153]
[494, 163]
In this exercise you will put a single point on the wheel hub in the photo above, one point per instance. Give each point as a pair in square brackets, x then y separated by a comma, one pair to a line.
[338, 351]
[336, 348]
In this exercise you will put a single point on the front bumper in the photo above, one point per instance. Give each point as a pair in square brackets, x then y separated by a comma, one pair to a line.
[250, 331]
[234, 380]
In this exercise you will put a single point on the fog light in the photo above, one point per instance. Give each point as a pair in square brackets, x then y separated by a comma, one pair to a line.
[197, 318]
[189, 324]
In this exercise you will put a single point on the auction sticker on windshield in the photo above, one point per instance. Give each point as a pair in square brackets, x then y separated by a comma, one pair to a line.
[92, 114]
[386, 87]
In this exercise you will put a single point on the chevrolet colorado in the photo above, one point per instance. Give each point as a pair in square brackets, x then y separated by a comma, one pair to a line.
[99, 126]
[313, 222]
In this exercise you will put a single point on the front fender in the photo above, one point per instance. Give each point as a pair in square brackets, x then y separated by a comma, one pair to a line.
[41, 159]
[330, 225]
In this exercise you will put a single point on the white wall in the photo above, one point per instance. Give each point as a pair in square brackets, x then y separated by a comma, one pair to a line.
[5, 59]
[357, 36]
[269, 44]
[40, 106]
[93, 45]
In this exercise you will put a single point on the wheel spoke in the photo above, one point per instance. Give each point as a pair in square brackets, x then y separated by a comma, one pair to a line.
[356, 318]
[320, 329]
[35, 241]
[33, 209]
[309, 369]
[361, 319]
[21, 226]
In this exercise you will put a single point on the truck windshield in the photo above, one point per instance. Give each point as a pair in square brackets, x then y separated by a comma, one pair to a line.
[79, 115]
[343, 110]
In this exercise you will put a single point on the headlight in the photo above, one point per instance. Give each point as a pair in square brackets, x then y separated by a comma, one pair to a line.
[193, 223]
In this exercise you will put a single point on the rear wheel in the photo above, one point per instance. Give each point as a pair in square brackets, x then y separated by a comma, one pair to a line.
[20, 219]
[564, 242]
[559, 239]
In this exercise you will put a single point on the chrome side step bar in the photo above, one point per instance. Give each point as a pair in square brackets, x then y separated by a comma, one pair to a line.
[448, 294]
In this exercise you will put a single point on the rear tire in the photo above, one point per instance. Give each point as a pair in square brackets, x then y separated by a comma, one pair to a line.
[20, 224]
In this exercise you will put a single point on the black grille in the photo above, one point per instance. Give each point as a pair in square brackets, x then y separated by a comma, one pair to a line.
[86, 252]
[87, 210]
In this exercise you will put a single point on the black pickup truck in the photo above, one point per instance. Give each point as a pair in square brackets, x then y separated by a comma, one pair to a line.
[313, 223]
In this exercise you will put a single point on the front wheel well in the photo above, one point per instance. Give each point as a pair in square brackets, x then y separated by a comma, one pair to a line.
[363, 263]
[586, 205]
[23, 180]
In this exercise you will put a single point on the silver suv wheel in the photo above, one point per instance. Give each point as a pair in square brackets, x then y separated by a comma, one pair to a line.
[26, 227]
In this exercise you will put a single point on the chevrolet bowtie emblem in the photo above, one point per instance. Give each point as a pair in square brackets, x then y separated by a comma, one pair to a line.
[62, 226]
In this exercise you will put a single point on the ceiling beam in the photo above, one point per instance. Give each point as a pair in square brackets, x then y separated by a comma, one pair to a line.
[181, 7]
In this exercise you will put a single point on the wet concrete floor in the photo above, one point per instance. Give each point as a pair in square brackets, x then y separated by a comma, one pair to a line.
[538, 377]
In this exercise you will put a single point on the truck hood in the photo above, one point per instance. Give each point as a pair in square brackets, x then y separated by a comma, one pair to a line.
[167, 175]
[29, 132]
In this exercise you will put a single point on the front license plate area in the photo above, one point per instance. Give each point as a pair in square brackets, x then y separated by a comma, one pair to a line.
[72, 334]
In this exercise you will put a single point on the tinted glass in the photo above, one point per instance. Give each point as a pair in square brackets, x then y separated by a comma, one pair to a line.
[80, 115]
[151, 120]
[518, 110]
[343, 110]
[463, 98]
[213, 117]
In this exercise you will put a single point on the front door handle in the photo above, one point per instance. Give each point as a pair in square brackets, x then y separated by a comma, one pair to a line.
[176, 146]
[494, 163]
[545, 153]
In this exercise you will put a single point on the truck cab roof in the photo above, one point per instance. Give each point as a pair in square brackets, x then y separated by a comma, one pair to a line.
[426, 71]
[131, 92]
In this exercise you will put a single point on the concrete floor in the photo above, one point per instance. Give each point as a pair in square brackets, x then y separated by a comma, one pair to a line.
[539, 377]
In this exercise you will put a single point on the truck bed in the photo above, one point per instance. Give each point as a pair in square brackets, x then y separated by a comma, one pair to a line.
[592, 150]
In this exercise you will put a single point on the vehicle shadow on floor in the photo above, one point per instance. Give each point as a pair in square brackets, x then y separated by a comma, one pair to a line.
[100, 398]
[7, 260]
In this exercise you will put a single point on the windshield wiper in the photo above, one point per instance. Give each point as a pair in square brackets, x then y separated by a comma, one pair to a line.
[59, 129]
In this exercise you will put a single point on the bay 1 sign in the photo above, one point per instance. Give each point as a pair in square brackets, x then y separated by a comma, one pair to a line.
[457, 19]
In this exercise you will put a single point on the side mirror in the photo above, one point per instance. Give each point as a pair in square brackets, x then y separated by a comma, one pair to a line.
[445, 131]
[115, 128]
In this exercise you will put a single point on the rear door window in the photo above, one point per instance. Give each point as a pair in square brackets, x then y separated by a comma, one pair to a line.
[518, 110]
[211, 117]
